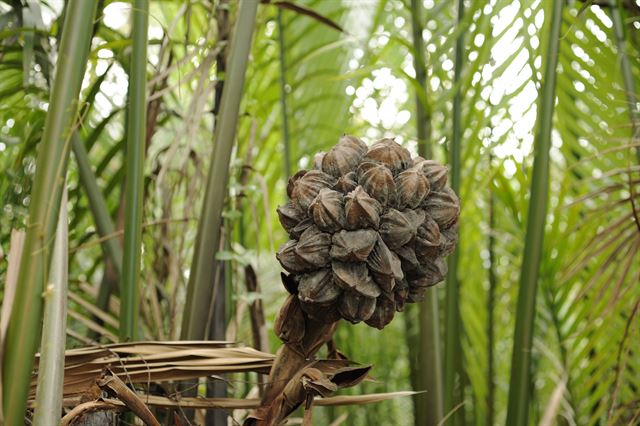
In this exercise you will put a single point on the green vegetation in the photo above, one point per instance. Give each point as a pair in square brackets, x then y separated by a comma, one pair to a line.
[187, 118]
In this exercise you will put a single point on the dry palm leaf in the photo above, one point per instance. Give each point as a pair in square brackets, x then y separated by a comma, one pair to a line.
[146, 362]
[248, 403]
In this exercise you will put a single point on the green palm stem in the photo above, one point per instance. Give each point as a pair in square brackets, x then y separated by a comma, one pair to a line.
[134, 186]
[453, 327]
[204, 266]
[221, 297]
[97, 203]
[24, 327]
[520, 380]
[51, 367]
[424, 343]
[627, 74]
[491, 298]
[283, 96]
[423, 114]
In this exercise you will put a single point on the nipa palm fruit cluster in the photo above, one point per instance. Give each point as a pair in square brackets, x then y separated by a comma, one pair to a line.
[370, 228]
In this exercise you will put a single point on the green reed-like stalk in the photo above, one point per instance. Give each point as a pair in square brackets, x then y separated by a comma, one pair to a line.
[24, 328]
[134, 186]
[51, 367]
[204, 267]
[520, 381]
[453, 327]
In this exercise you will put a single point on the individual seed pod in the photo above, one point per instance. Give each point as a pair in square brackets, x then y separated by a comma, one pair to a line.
[386, 282]
[291, 183]
[302, 226]
[430, 274]
[318, 287]
[354, 143]
[391, 154]
[353, 246]
[400, 294]
[408, 257]
[326, 314]
[416, 294]
[354, 276]
[355, 308]
[383, 314]
[289, 216]
[290, 323]
[428, 239]
[290, 260]
[327, 210]
[307, 187]
[346, 183]
[377, 181]
[341, 159]
[443, 206]
[361, 211]
[415, 217]
[313, 247]
[290, 282]
[383, 261]
[411, 188]
[449, 240]
[396, 228]
[435, 173]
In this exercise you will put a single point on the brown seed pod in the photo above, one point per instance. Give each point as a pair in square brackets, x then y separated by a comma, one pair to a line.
[291, 183]
[290, 260]
[416, 294]
[361, 211]
[290, 323]
[435, 172]
[411, 187]
[354, 276]
[408, 257]
[385, 266]
[354, 143]
[353, 246]
[397, 229]
[355, 308]
[346, 183]
[430, 274]
[449, 240]
[318, 287]
[384, 312]
[314, 246]
[443, 206]
[326, 314]
[302, 226]
[400, 294]
[391, 154]
[307, 187]
[327, 210]
[377, 181]
[344, 157]
[289, 216]
[428, 239]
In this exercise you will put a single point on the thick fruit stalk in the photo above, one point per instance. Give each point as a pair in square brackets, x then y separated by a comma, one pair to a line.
[303, 338]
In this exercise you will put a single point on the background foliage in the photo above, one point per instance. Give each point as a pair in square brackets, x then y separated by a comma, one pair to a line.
[321, 82]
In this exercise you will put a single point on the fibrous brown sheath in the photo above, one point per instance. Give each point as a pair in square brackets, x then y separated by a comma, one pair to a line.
[370, 228]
